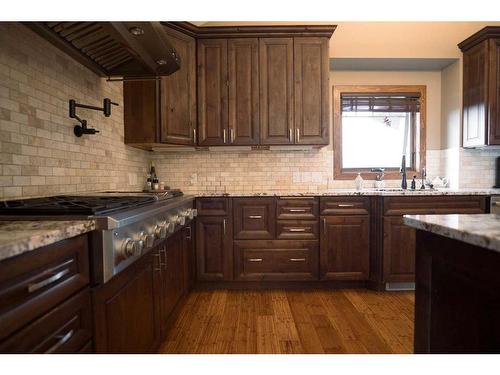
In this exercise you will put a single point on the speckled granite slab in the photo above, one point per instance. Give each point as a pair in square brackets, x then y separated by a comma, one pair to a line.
[17, 237]
[352, 192]
[480, 230]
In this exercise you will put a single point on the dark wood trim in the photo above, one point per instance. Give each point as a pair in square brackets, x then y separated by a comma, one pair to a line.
[349, 174]
[252, 31]
[268, 284]
[483, 34]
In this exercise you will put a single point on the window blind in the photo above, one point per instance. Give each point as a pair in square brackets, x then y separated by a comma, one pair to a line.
[380, 103]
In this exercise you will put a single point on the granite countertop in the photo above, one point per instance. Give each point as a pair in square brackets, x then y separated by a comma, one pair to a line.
[353, 192]
[481, 230]
[17, 237]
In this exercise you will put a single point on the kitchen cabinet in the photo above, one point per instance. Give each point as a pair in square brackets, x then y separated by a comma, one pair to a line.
[164, 111]
[254, 218]
[481, 88]
[127, 309]
[178, 94]
[276, 91]
[345, 247]
[243, 81]
[398, 240]
[228, 91]
[45, 300]
[311, 91]
[189, 257]
[281, 260]
[212, 92]
[214, 239]
[172, 258]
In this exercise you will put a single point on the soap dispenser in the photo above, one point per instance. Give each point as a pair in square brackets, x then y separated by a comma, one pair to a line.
[358, 181]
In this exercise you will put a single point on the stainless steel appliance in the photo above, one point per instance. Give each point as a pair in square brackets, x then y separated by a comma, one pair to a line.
[127, 224]
[495, 204]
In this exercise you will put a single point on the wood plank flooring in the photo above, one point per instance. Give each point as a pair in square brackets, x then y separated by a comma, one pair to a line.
[279, 321]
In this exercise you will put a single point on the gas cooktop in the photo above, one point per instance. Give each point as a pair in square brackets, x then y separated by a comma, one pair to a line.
[75, 204]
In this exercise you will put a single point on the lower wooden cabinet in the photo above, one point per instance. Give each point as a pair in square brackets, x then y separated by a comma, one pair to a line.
[172, 258]
[65, 329]
[127, 309]
[398, 251]
[214, 248]
[261, 260]
[345, 248]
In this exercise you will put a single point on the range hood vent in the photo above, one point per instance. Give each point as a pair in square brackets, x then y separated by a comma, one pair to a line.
[114, 49]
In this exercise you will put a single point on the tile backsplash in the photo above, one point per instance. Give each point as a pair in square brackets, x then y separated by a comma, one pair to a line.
[39, 153]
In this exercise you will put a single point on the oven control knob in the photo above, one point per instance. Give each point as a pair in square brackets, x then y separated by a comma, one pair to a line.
[170, 226]
[147, 239]
[130, 248]
[189, 213]
[160, 231]
[180, 219]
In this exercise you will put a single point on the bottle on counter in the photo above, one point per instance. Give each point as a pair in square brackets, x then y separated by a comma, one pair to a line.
[358, 182]
[155, 183]
[149, 183]
[413, 185]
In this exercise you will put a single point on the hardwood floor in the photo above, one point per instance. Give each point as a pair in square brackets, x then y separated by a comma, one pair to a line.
[278, 321]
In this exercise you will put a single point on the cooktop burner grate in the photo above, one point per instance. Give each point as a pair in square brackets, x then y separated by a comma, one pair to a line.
[73, 205]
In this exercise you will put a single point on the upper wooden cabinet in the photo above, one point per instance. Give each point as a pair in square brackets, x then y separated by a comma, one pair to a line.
[481, 86]
[164, 111]
[212, 92]
[276, 90]
[255, 86]
[311, 73]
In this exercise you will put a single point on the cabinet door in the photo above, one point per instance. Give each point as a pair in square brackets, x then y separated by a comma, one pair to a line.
[475, 94]
[140, 112]
[189, 257]
[126, 310]
[212, 92]
[276, 90]
[243, 68]
[214, 248]
[494, 92]
[172, 274]
[254, 218]
[345, 248]
[178, 93]
[399, 251]
[311, 74]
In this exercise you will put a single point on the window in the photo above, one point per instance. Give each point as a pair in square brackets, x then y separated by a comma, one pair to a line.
[374, 126]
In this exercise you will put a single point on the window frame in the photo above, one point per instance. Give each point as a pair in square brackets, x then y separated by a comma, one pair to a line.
[340, 173]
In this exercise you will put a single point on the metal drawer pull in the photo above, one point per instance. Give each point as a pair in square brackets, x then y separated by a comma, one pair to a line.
[224, 226]
[255, 217]
[255, 259]
[62, 339]
[164, 252]
[160, 264]
[297, 210]
[297, 229]
[34, 287]
[297, 259]
[345, 205]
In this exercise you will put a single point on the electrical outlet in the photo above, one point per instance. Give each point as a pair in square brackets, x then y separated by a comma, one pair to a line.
[193, 179]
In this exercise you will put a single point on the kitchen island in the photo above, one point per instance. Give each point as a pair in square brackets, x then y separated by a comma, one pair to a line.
[457, 298]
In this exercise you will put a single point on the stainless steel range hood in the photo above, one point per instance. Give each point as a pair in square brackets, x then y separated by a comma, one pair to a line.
[114, 49]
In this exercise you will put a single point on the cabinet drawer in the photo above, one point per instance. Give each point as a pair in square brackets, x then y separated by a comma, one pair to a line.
[344, 205]
[254, 218]
[303, 208]
[213, 206]
[65, 329]
[297, 229]
[35, 282]
[277, 260]
[435, 205]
